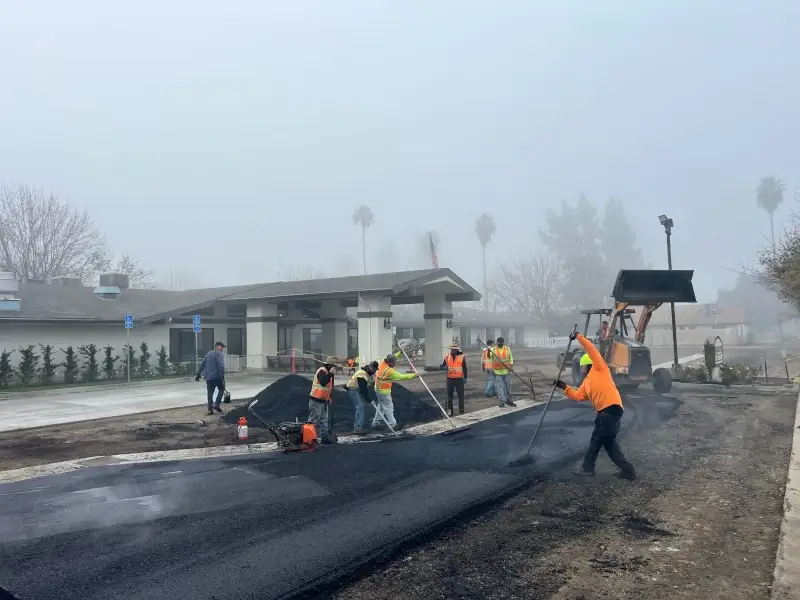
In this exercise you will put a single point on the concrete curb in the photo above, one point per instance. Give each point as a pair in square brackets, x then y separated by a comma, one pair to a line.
[786, 577]
[68, 466]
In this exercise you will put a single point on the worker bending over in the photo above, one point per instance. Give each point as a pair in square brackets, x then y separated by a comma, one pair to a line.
[487, 362]
[599, 388]
[320, 400]
[456, 368]
[384, 377]
[503, 359]
[358, 389]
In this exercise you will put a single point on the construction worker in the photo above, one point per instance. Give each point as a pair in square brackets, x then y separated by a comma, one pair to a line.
[384, 377]
[599, 388]
[487, 362]
[503, 359]
[358, 389]
[212, 369]
[320, 400]
[602, 333]
[456, 368]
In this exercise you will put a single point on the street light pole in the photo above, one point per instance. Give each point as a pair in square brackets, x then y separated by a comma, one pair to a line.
[668, 223]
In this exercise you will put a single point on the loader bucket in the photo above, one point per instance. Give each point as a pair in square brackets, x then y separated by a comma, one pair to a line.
[654, 286]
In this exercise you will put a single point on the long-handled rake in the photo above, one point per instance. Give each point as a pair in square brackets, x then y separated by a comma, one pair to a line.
[454, 429]
[526, 458]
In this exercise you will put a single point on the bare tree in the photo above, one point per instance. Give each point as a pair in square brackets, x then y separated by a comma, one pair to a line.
[298, 273]
[139, 277]
[177, 280]
[42, 237]
[530, 286]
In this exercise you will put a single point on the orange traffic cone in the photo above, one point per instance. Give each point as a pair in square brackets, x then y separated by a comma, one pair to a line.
[242, 429]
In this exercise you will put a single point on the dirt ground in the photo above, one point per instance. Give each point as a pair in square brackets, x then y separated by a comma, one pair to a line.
[702, 521]
[179, 428]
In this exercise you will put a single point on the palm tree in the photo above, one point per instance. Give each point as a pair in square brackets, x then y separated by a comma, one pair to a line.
[363, 216]
[485, 228]
[769, 196]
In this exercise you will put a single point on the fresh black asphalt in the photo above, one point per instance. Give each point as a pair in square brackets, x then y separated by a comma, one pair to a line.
[272, 525]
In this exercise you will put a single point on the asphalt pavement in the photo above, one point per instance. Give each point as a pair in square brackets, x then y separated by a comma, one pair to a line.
[273, 526]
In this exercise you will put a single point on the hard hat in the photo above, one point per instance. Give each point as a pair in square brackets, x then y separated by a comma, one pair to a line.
[331, 360]
[454, 346]
[586, 360]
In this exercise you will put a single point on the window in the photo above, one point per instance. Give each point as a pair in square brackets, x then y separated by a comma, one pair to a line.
[312, 340]
[182, 344]
[236, 341]
[237, 310]
[284, 338]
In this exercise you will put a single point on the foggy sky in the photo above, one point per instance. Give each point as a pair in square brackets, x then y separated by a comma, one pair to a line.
[232, 137]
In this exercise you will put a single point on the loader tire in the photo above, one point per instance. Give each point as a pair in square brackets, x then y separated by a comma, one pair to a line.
[662, 381]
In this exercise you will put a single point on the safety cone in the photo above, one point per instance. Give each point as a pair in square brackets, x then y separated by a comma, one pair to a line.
[242, 429]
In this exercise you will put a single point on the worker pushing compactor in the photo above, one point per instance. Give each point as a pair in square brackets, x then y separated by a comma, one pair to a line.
[599, 388]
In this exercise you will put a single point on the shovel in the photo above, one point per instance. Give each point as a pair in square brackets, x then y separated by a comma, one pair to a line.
[526, 458]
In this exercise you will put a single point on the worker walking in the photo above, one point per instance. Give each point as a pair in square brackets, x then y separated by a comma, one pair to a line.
[599, 388]
[212, 369]
[358, 389]
[456, 368]
[384, 377]
[503, 359]
[487, 362]
[320, 400]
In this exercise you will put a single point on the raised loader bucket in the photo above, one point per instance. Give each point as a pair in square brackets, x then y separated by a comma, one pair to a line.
[653, 286]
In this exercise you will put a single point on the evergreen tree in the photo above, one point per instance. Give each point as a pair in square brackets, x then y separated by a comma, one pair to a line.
[128, 351]
[70, 365]
[47, 372]
[618, 239]
[6, 372]
[91, 368]
[163, 361]
[144, 359]
[109, 363]
[28, 364]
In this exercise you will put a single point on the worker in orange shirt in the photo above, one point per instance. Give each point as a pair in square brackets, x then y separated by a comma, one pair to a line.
[599, 388]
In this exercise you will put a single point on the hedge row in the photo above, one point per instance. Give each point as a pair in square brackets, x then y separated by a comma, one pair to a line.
[90, 363]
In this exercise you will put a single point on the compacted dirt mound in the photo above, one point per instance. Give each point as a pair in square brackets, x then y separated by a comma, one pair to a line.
[287, 400]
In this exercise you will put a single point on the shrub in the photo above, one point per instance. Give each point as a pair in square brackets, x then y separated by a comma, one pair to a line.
[47, 372]
[6, 371]
[128, 352]
[710, 356]
[693, 373]
[91, 368]
[163, 362]
[70, 365]
[741, 374]
[28, 364]
[144, 359]
[109, 363]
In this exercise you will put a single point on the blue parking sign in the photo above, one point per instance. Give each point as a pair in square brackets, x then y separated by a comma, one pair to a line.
[196, 323]
[128, 321]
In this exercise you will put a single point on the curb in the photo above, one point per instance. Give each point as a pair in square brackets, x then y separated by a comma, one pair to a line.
[786, 577]
[68, 466]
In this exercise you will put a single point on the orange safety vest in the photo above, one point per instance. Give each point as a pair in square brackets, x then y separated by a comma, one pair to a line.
[500, 354]
[321, 392]
[487, 361]
[455, 366]
[383, 385]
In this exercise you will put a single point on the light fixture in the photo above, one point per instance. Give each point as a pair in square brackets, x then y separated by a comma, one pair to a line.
[387, 323]
[666, 222]
[449, 323]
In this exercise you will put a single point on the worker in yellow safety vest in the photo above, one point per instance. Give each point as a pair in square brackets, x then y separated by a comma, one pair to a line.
[456, 368]
[503, 359]
[487, 364]
[320, 400]
[384, 377]
[358, 389]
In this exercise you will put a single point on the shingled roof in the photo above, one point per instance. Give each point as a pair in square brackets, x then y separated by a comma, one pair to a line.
[43, 302]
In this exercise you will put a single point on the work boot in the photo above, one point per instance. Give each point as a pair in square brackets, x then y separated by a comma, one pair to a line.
[217, 408]
[580, 471]
[210, 411]
[510, 403]
[628, 475]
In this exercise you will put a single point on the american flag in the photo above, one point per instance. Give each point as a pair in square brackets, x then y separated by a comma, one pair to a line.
[434, 258]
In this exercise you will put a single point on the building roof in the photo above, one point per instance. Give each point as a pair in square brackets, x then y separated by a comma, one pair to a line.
[698, 314]
[45, 302]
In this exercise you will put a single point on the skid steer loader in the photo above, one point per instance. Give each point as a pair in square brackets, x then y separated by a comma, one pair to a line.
[624, 348]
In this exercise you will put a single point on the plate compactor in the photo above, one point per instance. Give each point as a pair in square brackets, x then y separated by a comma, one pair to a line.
[624, 349]
[292, 436]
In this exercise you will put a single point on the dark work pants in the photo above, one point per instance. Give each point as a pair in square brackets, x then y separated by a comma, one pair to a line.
[606, 428]
[210, 385]
[457, 386]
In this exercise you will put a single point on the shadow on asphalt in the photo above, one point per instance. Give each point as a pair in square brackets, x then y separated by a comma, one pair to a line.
[272, 526]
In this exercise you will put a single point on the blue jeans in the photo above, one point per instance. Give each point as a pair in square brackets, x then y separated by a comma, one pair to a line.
[318, 415]
[489, 391]
[360, 405]
[503, 385]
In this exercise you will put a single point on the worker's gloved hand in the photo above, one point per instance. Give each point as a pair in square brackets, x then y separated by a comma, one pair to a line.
[465, 381]
[197, 377]
[344, 387]
[573, 336]
[560, 384]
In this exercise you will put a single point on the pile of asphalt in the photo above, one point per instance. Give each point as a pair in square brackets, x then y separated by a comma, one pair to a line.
[287, 400]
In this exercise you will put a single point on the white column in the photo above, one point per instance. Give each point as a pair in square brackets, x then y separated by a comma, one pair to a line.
[262, 333]
[374, 340]
[334, 328]
[437, 335]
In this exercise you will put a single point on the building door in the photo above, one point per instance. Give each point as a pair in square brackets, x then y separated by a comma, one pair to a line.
[182, 344]
[284, 338]
[236, 341]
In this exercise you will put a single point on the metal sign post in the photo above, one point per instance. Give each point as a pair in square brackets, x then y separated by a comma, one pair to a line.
[197, 329]
[128, 327]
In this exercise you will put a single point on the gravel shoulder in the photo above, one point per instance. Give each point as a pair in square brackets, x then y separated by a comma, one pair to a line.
[702, 521]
